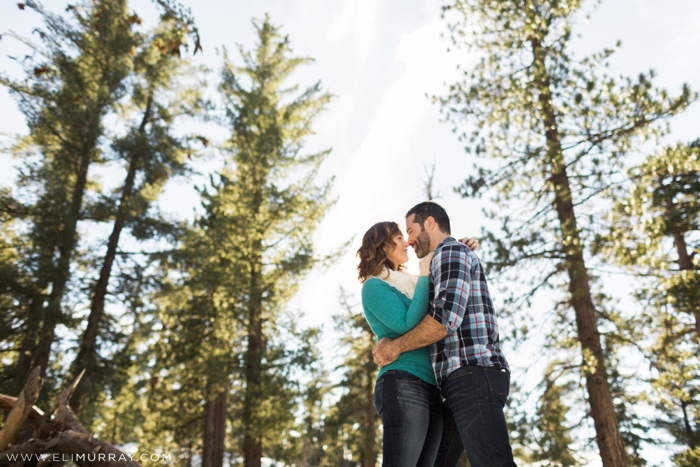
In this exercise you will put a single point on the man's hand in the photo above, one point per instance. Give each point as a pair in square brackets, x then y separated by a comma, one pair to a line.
[384, 352]
[388, 350]
[471, 242]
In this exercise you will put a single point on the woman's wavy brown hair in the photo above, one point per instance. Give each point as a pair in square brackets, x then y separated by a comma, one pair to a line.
[376, 244]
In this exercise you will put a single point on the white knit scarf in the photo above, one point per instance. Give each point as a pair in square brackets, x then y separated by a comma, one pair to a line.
[402, 281]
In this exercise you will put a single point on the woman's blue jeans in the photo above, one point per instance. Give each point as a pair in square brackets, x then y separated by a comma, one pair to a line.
[411, 413]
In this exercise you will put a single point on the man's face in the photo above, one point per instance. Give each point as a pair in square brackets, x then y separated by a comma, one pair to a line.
[418, 238]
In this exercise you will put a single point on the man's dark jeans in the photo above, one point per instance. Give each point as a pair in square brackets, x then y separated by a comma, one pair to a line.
[476, 397]
[411, 413]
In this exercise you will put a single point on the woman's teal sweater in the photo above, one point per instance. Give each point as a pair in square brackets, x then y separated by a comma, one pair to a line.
[390, 314]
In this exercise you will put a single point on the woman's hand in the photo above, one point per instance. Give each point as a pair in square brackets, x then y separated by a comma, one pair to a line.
[424, 265]
[471, 242]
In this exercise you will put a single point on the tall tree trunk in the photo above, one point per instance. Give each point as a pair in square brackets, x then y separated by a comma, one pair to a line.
[34, 317]
[253, 442]
[87, 353]
[220, 428]
[685, 260]
[608, 438]
[24, 359]
[690, 434]
[66, 247]
[685, 263]
[214, 433]
[208, 433]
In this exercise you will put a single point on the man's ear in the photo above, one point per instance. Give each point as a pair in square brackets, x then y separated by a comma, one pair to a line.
[430, 223]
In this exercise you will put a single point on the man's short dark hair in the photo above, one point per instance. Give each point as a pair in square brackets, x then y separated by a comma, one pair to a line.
[430, 209]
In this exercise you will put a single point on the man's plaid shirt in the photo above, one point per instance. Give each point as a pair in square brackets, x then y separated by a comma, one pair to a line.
[460, 301]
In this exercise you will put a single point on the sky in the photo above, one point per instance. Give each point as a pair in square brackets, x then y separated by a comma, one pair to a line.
[380, 59]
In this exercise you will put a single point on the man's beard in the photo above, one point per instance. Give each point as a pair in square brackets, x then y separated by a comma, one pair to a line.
[422, 244]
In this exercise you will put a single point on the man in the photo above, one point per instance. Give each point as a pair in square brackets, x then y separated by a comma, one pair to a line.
[462, 332]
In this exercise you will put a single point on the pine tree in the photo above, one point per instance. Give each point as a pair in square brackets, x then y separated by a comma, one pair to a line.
[553, 443]
[314, 415]
[653, 234]
[269, 197]
[558, 130]
[228, 350]
[352, 423]
[92, 66]
[117, 411]
[195, 360]
[75, 78]
[151, 153]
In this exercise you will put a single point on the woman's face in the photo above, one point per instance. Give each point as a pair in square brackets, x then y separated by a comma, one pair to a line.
[399, 254]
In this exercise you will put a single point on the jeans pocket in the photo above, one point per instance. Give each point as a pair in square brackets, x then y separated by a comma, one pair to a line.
[378, 399]
[499, 384]
[406, 377]
[461, 372]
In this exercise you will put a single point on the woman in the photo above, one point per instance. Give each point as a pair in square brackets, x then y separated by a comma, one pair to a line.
[405, 395]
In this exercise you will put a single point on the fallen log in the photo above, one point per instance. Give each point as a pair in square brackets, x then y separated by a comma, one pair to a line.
[21, 409]
[7, 402]
[59, 437]
[61, 417]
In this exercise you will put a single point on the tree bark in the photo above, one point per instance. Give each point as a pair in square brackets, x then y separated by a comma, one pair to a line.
[34, 316]
[28, 344]
[208, 434]
[60, 438]
[87, 352]
[608, 438]
[220, 428]
[690, 434]
[685, 260]
[252, 440]
[685, 263]
[21, 409]
[8, 402]
[215, 430]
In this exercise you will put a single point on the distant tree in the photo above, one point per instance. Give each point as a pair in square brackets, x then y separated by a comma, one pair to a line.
[690, 458]
[429, 183]
[558, 130]
[229, 354]
[192, 369]
[554, 440]
[544, 436]
[655, 235]
[116, 409]
[352, 423]
[269, 196]
[311, 452]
